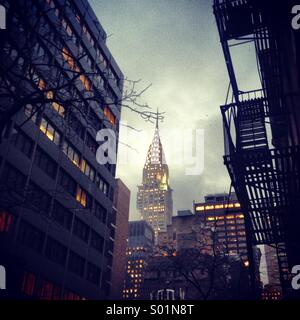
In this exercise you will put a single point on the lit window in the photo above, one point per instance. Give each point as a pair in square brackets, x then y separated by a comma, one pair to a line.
[41, 84]
[81, 196]
[86, 82]
[49, 131]
[109, 115]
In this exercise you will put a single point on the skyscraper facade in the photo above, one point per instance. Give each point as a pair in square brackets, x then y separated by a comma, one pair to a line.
[120, 236]
[140, 248]
[225, 216]
[154, 198]
[56, 202]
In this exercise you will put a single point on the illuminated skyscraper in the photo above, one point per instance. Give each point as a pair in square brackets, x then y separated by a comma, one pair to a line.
[154, 198]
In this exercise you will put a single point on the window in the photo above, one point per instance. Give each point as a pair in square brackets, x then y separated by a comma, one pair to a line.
[100, 212]
[91, 143]
[56, 293]
[62, 216]
[76, 263]
[87, 169]
[69, 59]
[56, 251]
[102, 184]
[30, 236]
[45, 163]
[97, 241]
[49, 130]
[5, 221]
[93, 273]
[12, 178]
[46, 290]
[71, 62]
[67, 182]
[76, 125]
[81, 229]
[39, 198]
[83, 197]
[22, 142]
[109, 115]
[86, 82]
[95, 121]
[31, 112]
[56, 106]
[71, 153]
[28, 283]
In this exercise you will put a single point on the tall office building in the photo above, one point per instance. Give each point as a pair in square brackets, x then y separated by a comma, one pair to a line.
[224, 215]
[154, 198]
[226, 218]
[141, 239]
[272, 266]
[120, 236]
[56, 201]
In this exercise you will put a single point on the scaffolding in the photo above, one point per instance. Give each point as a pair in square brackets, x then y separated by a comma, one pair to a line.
[264, 173]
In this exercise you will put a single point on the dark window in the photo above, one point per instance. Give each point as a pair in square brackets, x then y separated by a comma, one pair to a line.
[76, 263]
[97, 241]
[95, 121]
[38, 197]
[44, 162]
[71, 153]
[22, 142]
[46, 290]
[30, 236]
[6, 221]
[62, 215]
[102, 184]
[67, 182]
[12, 178]
[31, 112]
[28, 283]
[56, 251]
[81, 229]
[76, 125]
[91, 143]
[100, 212]
[93, 273]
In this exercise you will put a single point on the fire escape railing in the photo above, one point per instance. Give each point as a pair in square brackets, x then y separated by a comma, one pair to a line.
[262, 176]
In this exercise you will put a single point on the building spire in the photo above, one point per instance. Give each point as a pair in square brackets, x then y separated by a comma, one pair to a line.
[157, 118]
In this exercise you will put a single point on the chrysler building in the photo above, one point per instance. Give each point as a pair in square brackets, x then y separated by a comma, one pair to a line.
[154, 198]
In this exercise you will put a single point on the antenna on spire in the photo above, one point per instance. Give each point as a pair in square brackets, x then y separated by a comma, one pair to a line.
[157, 118]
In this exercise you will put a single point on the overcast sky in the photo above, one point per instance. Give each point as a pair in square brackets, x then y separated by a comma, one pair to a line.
[174, 45]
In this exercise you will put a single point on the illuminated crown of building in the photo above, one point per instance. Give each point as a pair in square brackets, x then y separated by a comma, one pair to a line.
[154, 199]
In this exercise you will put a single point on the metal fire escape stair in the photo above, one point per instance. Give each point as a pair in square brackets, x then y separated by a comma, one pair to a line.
[252, 131]
[255, 170]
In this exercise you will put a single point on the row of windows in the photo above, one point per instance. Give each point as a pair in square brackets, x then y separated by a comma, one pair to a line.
[94, 43]
[40, 200]
[34, 238]
[45, 290]
[49, 129]
[48, 165]
[86, 82]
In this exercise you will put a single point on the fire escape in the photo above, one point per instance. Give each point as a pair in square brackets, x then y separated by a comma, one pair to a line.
[265, 175]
